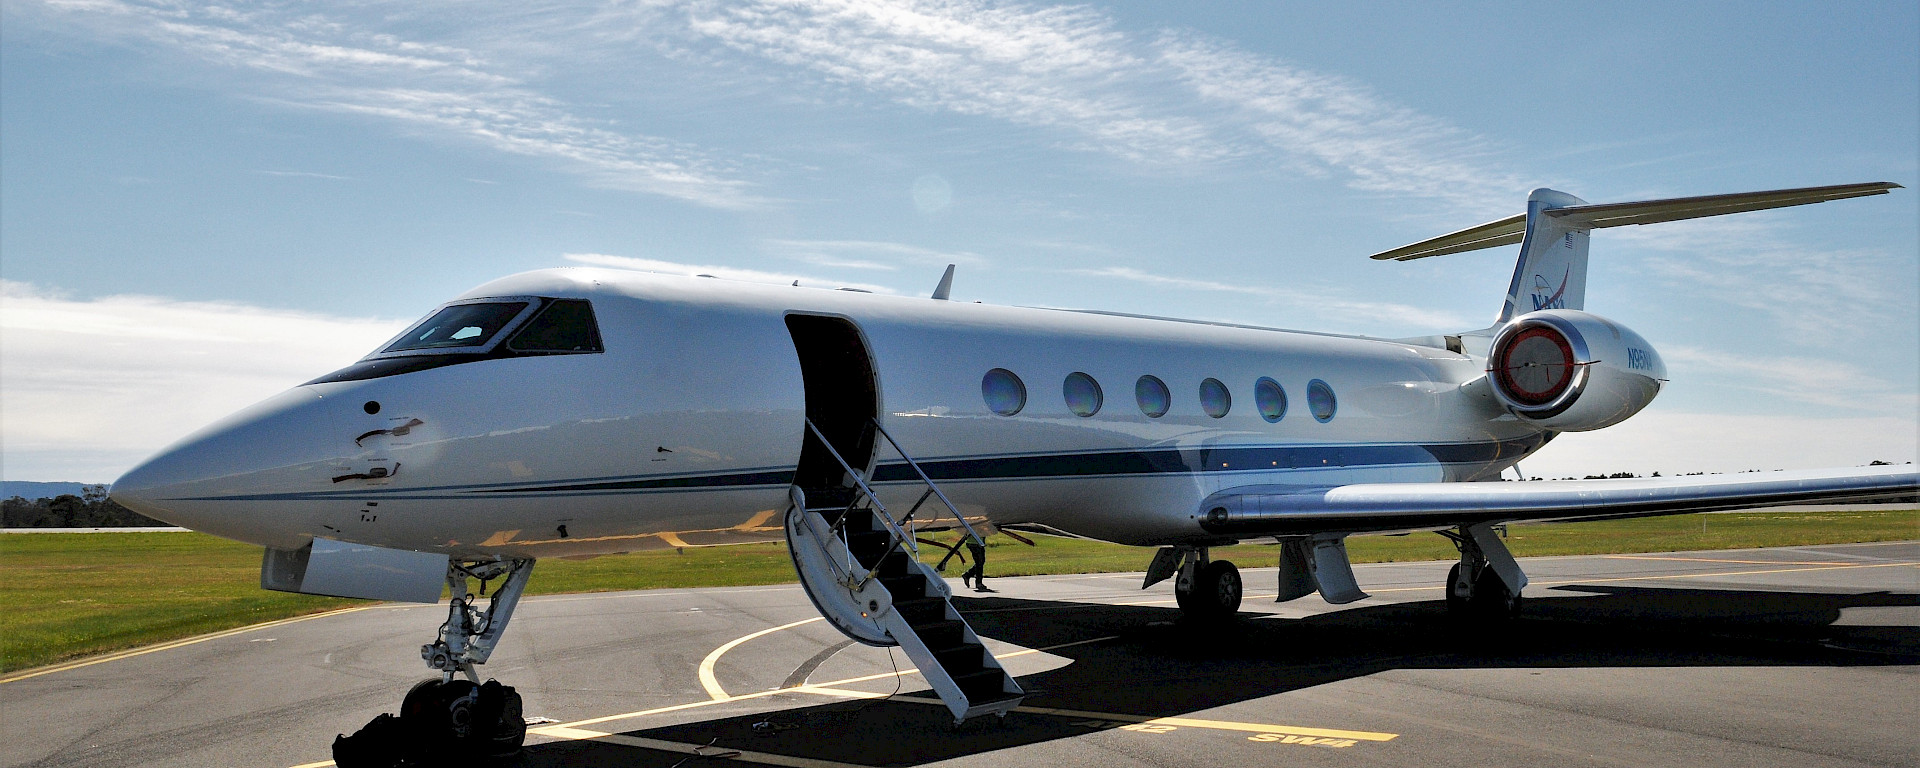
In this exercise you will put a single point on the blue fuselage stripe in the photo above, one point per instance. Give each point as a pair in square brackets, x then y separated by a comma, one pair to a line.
[1159, 461]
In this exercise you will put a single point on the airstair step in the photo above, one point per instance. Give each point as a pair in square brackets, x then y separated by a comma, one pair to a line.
[945, 633]
[962, 659]
[905, 587]
[982, 685]
[868, 545]
[921, 610]
[895, 565]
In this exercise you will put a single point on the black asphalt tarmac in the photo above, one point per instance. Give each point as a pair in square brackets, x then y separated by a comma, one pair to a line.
[1802, 656]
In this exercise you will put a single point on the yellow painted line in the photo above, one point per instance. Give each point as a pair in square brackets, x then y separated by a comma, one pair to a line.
[1707, 575]
[179, 643]
[1740, 562]
[698, 750]
[711, 683]
[1182, 722]
[321, 764]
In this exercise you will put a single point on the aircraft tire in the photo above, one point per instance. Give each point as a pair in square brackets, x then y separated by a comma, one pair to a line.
[1491, 598]
[1456, 604]
[1215, 594]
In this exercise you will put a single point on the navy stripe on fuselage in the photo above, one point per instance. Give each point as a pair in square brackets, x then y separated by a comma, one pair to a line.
[1159, 461]
[1196, 460]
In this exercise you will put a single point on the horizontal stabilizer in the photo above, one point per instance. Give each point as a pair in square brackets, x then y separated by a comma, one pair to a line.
[1510, 230]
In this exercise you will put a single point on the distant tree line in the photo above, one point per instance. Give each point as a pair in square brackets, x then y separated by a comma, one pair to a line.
[90, 509]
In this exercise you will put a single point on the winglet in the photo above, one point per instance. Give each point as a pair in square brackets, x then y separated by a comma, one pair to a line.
[945, 288]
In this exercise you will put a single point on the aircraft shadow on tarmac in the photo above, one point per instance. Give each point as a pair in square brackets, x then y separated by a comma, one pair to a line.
[1161, 666]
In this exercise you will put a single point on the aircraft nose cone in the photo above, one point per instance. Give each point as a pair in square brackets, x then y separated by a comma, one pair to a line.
[210, 481]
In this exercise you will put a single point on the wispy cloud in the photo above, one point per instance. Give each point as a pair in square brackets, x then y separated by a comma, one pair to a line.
[717, 271]
[314, 61]
[1339, 126]
[305, 175]
[1753, 261]
[1162, 99]
[1363, 314]
[1167, 98]
[1832, 384]
[867, 254]
[93, 385]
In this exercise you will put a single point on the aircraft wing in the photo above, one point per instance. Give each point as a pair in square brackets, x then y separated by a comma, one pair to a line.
[1278, 510]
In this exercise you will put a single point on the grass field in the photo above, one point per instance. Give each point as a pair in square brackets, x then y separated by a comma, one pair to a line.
[70, 595]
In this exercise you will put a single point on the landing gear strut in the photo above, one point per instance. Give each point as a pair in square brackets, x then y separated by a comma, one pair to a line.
[448, 717]
[1206, 589]
[1487, 582]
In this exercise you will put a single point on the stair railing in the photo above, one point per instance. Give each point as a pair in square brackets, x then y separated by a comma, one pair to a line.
[931, 488]
[839, 526]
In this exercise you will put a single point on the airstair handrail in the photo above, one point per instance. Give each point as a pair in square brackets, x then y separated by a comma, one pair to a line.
[899, 536]
[951, 509]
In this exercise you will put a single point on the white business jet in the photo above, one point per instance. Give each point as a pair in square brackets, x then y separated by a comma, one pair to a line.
[579, 412]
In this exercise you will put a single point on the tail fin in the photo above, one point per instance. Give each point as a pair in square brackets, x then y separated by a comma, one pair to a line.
[1552, 270]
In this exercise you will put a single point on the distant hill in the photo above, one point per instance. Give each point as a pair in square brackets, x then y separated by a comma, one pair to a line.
[31, 491]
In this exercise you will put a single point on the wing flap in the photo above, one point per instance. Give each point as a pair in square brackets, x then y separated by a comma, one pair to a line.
[1277, 510]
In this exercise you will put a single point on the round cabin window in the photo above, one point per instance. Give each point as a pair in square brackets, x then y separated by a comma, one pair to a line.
[1152, 395]
[1214, 398]
[1320, 401]
[1082, 394]
[1004, 393]
[1270, 398]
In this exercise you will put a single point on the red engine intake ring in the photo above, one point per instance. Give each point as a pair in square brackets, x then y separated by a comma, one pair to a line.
[1538, 367]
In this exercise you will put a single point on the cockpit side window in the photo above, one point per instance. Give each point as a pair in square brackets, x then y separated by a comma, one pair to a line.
[565, 326]
[458, 326]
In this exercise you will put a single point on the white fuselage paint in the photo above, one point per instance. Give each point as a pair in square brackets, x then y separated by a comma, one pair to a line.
[689, 425]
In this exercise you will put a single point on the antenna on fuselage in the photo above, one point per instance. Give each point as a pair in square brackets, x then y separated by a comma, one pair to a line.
[945, 288]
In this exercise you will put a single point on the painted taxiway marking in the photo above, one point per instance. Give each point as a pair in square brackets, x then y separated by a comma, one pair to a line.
[177, 644]
[1663, 577]
[1717, 560]
[1115, 717]
[711, 683]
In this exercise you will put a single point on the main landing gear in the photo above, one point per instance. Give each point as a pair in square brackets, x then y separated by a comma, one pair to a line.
[1487, 582]
[1205, 589]
[454, 715]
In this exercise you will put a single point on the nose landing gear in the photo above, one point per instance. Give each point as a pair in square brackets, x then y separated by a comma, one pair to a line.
[453, 717]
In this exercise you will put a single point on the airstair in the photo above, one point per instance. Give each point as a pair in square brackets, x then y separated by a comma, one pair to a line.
[859, 565]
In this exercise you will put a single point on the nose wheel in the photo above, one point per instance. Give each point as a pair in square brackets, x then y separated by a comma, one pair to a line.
[453, 716]
[461, 717]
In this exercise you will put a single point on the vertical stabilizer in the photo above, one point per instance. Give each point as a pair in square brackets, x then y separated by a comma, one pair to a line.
[1552, 271]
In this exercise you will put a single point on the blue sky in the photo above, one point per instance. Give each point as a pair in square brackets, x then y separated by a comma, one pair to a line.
[202, 204]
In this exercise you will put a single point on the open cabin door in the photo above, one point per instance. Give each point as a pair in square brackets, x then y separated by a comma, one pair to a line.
[855, 561]
[842, 398]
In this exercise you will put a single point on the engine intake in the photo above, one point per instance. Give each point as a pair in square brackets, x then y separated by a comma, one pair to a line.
[1572, 371]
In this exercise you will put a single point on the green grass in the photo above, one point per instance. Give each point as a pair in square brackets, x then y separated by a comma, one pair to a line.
[71, 595]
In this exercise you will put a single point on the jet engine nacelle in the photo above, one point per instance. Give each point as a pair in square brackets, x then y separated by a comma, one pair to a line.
[1572, 371]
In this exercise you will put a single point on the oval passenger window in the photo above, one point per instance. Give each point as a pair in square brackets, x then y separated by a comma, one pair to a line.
[1004, 393]
[1152, 395]
[1320, 401]
[1270, 399]
[1214, 398]
[1082, 394]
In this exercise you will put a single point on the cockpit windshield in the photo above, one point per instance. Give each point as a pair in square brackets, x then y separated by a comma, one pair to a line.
[461, 325]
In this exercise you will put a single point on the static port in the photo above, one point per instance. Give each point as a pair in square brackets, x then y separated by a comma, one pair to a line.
[372, 407]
